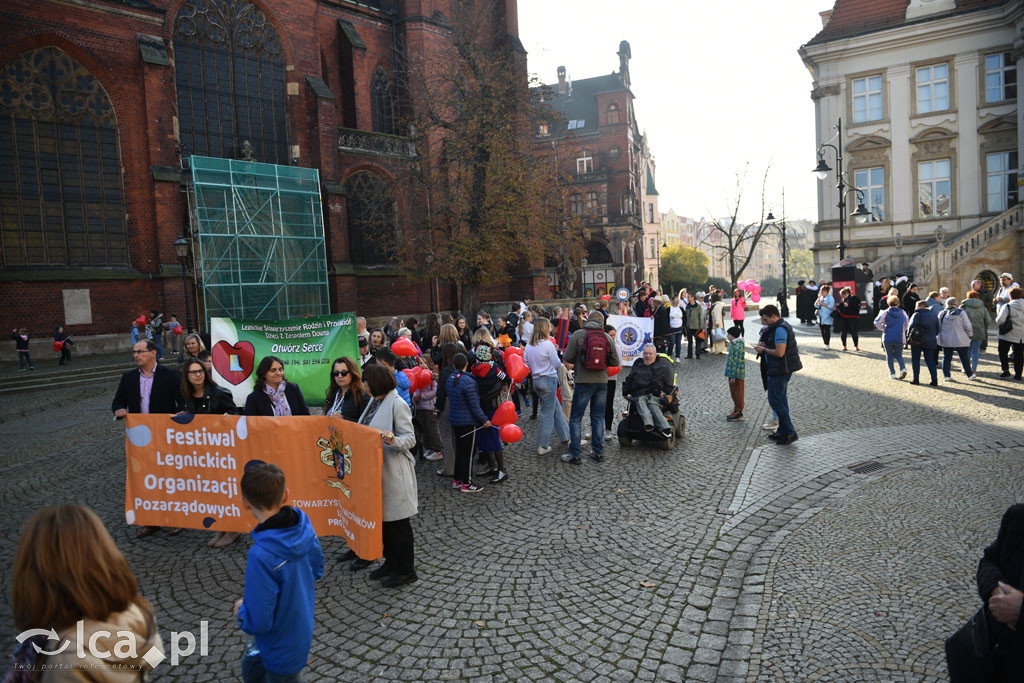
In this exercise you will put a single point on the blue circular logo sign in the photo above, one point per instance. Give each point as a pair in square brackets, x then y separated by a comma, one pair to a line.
[630, 339]
[622, 294]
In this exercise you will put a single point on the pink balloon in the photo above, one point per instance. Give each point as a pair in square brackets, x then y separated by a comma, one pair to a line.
[756, 298]
[741, 285]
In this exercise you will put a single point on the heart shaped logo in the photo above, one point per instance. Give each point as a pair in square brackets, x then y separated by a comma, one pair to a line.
[233, 362]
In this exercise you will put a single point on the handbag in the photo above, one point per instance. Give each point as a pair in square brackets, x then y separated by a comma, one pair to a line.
[973, 651]
[1006, 326]
[702, 334]
[718, 335]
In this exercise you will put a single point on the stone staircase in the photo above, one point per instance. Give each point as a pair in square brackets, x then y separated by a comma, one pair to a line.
[941, 261]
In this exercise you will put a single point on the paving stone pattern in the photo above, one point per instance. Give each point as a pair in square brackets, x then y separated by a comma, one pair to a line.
[541, 578]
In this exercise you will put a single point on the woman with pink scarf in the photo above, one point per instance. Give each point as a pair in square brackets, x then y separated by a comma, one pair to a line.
[273, 396]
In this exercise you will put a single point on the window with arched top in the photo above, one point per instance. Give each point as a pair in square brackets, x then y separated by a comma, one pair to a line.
[61, 194]
[383, 109]
[371, 219]
[229, 71]
[612, 114]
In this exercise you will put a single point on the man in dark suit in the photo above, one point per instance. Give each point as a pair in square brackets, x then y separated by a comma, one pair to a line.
[149, 388]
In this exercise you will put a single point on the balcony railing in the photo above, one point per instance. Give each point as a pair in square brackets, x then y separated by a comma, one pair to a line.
[946, 256]
[377, 144]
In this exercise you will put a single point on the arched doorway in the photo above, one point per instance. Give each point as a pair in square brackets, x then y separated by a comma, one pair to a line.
[598, 276]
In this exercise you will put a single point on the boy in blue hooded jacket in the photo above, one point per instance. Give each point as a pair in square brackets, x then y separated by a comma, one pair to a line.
[284, 562]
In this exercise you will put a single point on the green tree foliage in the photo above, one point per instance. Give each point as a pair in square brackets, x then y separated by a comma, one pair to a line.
[800, 265]
[683, 266]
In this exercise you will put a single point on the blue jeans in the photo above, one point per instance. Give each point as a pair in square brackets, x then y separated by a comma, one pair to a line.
[779, 401]
[596, 396]
[947, 360]
[929, 359]
[675, 344]
[550, 413]
[894, 354]
[975, 354]
[253, 671]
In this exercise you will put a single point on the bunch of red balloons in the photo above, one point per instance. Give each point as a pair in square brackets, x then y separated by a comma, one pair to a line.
[505, 419]
[751, 288]
[419, 378]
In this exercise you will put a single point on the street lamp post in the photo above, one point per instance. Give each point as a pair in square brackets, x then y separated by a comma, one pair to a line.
[861, 214]
[583, 277]
[181, 247]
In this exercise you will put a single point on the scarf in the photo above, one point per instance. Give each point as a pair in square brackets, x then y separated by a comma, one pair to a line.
[21, 667]
[278, 399]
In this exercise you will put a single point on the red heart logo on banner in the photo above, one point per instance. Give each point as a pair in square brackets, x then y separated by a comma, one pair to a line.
[243, 353]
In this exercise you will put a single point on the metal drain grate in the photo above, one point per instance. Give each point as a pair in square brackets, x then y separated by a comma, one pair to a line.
[867, 467]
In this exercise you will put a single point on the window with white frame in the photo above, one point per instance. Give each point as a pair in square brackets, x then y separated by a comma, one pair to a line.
[934, 198]
[650, 212]
[867, 99]
[584, 163]
[872, 181]
[1000, 78]
[932, 88]
[1001, 180]
[577, 124]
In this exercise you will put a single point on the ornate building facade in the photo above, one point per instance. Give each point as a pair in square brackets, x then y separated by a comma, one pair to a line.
[102, 102]
[933, 134]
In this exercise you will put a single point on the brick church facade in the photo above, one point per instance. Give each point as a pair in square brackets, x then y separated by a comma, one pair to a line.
[103, 101]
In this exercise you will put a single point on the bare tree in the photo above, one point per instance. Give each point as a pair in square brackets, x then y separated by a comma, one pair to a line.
[736, 241]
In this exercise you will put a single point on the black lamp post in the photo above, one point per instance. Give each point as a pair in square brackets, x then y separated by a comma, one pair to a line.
[785, 284]
[181, 247]
[861, 215]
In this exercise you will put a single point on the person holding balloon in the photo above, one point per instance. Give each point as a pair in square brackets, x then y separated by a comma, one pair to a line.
[738, 309]
[424, 398]
[488, 371]
[63, 342]
[466, 419]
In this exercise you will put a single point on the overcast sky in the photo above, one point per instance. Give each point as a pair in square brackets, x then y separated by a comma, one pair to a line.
[717, 84]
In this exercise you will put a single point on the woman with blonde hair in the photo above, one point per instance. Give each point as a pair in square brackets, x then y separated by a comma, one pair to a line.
[67, 570]
[541, 357]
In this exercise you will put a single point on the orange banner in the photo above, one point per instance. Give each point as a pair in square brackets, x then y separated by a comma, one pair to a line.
[185, 471]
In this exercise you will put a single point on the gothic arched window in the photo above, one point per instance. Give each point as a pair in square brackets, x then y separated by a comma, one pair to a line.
[371, 219]
[612, 114]
[382, 103]
[230, 78]
[61, 196]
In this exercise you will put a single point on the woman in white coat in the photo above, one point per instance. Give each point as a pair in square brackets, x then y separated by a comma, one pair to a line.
[391, 416]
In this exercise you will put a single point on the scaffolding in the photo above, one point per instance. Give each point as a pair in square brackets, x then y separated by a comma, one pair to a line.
[260, 240]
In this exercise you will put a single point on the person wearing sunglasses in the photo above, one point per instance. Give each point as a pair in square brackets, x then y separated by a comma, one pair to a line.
[346, 395]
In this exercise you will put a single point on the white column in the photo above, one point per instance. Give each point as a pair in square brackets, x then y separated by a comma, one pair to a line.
[968, 165]
[903, 195]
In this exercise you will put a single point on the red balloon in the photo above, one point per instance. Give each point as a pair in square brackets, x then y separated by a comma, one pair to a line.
[614, 370]
[510, 433]
[141, 320]
[404, 347]
[179, 330]
[514, 351]
[58, 345]
[606, 297]
[505, 414]
[424, 376]
[413, 380]
[517, 369]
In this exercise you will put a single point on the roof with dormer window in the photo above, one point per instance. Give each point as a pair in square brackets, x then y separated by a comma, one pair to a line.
[850, 18]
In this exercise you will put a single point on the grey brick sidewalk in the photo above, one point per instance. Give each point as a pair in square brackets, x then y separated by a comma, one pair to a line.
[547, 576]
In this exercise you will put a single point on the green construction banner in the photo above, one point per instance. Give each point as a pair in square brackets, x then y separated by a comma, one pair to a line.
[306, 346]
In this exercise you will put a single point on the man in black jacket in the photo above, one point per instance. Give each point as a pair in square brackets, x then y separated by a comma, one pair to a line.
[150, 388]
[662, 325]
[646, 384]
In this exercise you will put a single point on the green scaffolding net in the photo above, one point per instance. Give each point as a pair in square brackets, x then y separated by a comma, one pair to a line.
[260, 235]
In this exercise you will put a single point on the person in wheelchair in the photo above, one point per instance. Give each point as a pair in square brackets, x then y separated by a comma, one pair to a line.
[646, 385]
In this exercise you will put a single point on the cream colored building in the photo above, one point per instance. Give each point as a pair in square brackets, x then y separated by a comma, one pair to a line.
[928, 94]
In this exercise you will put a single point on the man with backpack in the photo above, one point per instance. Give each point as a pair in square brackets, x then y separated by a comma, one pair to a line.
[590, 352]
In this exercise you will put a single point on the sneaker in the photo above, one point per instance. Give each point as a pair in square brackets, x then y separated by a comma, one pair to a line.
[456, 484]
[856, 348]
[433, 456]
[1003, 375]
[499, 478]
[892, 375]
[933, 383]
[972, 378]
[844, 348]
[584, 442]
[667, 433]
[597, 457]
[770, 425]
[915, 381]
[951, 380]
[471, 488]
[568, 458]
[903, 373]
[543, 450]
[782, 441]
[735, 417]
[608, 435]
[774, 436]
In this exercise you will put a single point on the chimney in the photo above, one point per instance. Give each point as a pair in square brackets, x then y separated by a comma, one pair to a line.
[624, 56]
[825, 16]
[561, 80]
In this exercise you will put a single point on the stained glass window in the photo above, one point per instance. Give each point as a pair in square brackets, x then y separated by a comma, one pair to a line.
[230, 77]
[61, 195]
[371, 219]
[382, 103]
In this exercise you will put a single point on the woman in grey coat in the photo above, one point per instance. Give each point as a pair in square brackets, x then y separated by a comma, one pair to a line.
[980, 319]
[955, 332]
[391, 416]
[1014, 337]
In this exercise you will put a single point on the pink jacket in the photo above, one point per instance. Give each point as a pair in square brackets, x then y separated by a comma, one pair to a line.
[737, 308]
[424, 398]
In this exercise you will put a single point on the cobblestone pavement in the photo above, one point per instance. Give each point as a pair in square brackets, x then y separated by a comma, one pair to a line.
[727, 559]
